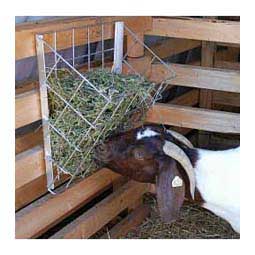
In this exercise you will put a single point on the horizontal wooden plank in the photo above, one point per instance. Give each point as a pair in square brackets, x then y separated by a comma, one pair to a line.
[234, 45]
[172, 46]
[35, 189]
[221, 64]
[25, 87]
[29, 165]
[227, 64]
[42, 218]
[30, 191]
[189, 98]
[226, 98]
[229, 54]
[25, 33]
[27, 108]
[196, 118]
[198, 77]
[93, 220]
[197, 29]
[30, 176]
[133, 220]
[28, 141]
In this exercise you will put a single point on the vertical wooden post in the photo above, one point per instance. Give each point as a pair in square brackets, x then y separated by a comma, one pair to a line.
[205, 97]
[135, 49]
[140, 62]
[135, 53]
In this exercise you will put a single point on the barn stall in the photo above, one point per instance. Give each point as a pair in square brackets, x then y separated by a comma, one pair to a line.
[197, 62]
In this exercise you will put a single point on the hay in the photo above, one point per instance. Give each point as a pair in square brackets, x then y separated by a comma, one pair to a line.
[72, 138]
[194, 223]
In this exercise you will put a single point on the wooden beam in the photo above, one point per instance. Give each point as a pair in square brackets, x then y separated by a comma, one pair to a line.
[198, 77]
[196, 118]
[227, 64]
[197, 29]
[233, 45]
[30, 191]
[230, 54]
[28, 141]
[226, 98]
[94, 219]
[207, 60]
[173, 46]
[190, 98]
[25, 33]
[30, 176]
[29, 166]
[205, 96]
[42, 218]
[220, 64]
[132, 221]
[27, 108]
[134, 48]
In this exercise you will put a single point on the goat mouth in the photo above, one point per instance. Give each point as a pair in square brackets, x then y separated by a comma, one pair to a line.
[102, 153]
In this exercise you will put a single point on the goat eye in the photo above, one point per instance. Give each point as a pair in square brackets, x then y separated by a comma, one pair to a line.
[138, 154]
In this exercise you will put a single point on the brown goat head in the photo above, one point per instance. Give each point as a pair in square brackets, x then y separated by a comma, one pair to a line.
[140, 155]
[130, 157]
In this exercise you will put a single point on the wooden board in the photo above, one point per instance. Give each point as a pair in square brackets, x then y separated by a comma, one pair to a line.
[190, 98]
[25, 33]
[30, 191]
[94, 219]
[173, 46]
[226, 98]
[196, 118]
[230, 54]
[227, 65]
[28, 140]
[199, 77]
[133, 220]
[42, 218]
[29, 165]
[220, 64]
[27, 108]
[197, 29]
[205, 97]
[207, 60]
[30, 176]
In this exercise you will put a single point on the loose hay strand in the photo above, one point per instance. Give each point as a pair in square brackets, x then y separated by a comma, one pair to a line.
[194, 222]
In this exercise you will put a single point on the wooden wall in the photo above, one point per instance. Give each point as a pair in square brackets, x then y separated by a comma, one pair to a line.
[221, 79]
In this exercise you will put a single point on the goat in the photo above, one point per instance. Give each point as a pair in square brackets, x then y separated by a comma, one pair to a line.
[166, 158]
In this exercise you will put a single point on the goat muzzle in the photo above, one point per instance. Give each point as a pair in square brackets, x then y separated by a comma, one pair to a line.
[103, 153]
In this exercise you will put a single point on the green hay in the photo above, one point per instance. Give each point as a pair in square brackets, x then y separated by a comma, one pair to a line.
[132, 91]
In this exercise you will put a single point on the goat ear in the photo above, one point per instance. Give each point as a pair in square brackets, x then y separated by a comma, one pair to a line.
[170, 189]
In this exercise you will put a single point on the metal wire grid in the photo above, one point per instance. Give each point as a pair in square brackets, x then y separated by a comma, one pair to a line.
[52, 60]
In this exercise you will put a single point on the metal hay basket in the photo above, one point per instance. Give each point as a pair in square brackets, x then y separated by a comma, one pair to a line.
[76, 53]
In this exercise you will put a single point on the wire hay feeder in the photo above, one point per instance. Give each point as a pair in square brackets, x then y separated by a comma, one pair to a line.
[89, 89]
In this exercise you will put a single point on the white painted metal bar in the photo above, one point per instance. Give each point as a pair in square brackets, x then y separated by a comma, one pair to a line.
[45, 111]
[118, 47]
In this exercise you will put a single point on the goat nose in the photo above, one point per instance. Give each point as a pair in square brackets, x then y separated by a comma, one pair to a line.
[102, 148]
[102, 152]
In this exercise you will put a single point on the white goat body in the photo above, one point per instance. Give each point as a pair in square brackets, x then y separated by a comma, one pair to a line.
[217, 176]
[218, 180]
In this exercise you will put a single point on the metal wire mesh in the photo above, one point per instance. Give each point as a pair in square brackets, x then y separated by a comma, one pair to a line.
[76, 56]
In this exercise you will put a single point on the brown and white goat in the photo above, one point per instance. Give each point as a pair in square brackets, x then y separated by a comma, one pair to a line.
[152, 154]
